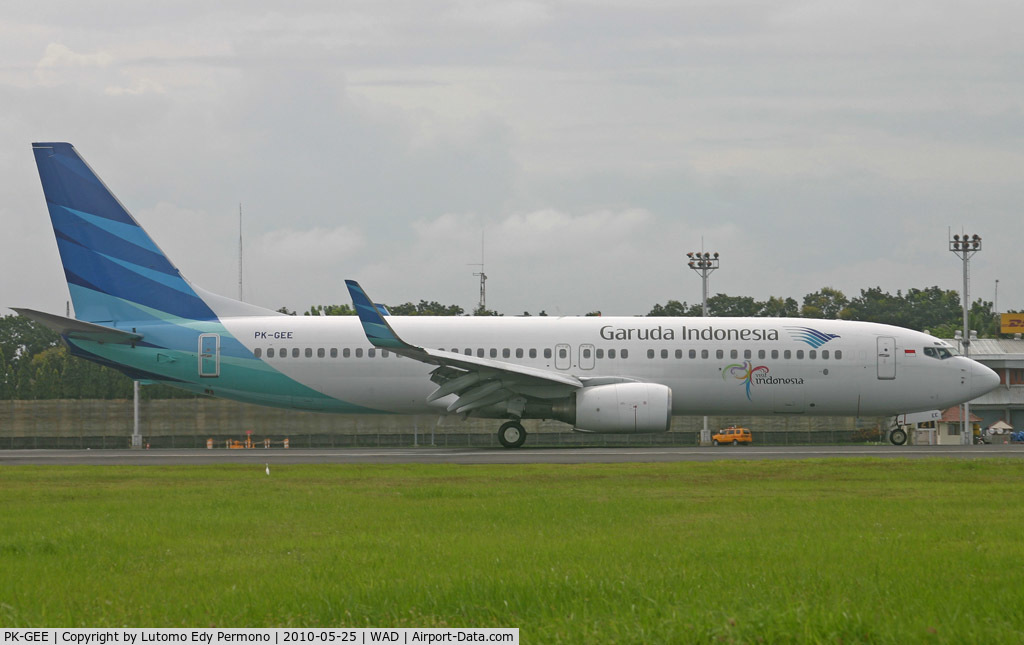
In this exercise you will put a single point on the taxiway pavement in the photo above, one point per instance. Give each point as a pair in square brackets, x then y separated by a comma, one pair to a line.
[428, 455]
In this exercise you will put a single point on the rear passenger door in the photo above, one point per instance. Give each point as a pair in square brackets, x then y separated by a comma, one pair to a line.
[563, 356]
[586, 357]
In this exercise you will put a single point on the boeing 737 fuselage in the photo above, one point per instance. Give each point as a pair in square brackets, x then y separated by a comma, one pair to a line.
[137, 313]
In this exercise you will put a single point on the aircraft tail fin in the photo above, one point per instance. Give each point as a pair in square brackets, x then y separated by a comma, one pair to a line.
[115, 271]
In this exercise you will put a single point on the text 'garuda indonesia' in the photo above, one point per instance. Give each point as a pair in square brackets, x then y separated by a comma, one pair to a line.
[610, 332]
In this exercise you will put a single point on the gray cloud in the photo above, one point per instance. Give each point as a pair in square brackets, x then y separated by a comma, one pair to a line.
[595, 142]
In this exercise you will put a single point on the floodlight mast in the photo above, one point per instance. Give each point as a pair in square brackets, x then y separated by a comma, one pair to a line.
[703, 263]
[965, 246]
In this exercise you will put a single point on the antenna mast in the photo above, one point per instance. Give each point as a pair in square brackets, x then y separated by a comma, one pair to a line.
[482, 275]
[240, 251]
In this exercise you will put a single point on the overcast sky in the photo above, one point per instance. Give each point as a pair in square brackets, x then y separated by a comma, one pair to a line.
[811, 143]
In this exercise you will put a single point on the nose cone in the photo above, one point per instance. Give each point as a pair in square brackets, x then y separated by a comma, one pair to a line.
[983, 380]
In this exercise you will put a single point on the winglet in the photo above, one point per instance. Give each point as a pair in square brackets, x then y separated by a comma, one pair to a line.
[377, 330]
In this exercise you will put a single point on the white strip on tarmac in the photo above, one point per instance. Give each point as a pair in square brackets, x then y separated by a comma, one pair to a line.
[492, 456]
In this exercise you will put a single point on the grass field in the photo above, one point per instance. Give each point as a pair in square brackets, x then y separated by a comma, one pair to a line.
[793, 551]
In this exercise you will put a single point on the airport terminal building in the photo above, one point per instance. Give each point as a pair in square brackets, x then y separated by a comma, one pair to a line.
[1006, 402]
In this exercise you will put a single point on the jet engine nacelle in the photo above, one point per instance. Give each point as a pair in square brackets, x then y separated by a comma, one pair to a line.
[624, 407]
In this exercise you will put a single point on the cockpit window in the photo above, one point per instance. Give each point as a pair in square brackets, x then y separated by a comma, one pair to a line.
[940, 353]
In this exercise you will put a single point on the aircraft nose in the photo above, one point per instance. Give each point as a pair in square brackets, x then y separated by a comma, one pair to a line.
[983, 379]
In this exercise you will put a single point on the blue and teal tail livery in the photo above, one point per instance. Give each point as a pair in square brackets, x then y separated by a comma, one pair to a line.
[114, 270]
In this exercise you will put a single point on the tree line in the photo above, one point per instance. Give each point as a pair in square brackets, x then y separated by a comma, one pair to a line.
[34, 364]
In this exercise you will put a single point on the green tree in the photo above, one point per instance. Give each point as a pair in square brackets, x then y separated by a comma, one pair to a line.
[676, 309]
[982, 319]
[779, 308]
[6, 377]
[875, 305]
[932, 308]
[424, 308]
[21, 337]
[826, 303]
[723, 305]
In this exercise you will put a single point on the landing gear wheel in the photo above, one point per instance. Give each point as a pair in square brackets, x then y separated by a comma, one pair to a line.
[511, 434]
[898, 437]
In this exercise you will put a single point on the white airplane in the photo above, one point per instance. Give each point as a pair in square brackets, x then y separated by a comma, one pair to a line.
[137, 313]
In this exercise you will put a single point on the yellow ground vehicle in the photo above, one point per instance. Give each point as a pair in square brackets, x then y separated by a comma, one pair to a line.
[732, 435]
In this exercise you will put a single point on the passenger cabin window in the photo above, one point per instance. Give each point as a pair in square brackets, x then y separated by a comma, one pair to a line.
[533, 353]
[359, 352]
[334, 352]
[270, 353]
[519, 352]
[611, 353]
[372, 353]
[320, 353]
[599, 353]
[257, 352]
[547, 352]
[346, 353]
[309, 352]
[624, 353]
[650, 353]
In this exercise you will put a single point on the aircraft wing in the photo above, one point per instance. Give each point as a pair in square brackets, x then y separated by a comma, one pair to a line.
[79, 329]
[477, 382]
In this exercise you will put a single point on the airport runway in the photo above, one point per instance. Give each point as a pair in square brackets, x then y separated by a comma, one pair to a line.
[426, 455]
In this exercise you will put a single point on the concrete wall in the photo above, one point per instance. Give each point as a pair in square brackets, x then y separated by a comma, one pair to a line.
[189, 422]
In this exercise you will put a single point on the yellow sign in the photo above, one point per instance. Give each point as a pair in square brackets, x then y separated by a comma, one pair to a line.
[1012, 324]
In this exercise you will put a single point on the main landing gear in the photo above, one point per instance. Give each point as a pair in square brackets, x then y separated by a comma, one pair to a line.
[511, 434]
